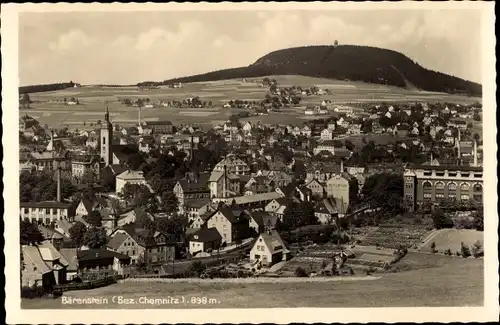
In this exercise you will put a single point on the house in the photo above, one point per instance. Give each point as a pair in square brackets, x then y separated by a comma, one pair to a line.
[192, 186]
[321, 171]
[70, 255]
[160, 127]
[331, 126]
[328, 145]
[87, 205]
[122, 153]
[42, 266]
[204, 240]
[142, 244]
[401, 130]
[223, 184]
[277, 207]
[194, 208]
[316, 188]
[231, 223]
[354, 129]
[102, 258]
[129, 177]
[459, 124]
[247, 127]
[269, 249]
[343, 188]
[262, 221]
[326, 134]
[326, 212]
[63, 226]
[233, 164]
[146, 144]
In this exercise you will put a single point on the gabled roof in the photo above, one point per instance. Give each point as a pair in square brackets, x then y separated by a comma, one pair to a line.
[199, 184]
[131, 174]
[263, 218]
[123, 152]
[69, 255]
[273, 242]
[97, 254]
[326, 206]
[50, 253]
[205, 235]
[233, 215]
[117, 240]
[33, 254]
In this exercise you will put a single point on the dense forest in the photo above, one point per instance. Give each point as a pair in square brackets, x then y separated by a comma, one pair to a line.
[47, 87]
[345, 62]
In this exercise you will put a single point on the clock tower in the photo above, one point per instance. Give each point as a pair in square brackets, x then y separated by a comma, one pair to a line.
[106, 139]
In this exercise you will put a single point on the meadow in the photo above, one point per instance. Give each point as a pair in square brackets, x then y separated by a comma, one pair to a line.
[452, 239]
[49, 107]
[441, 281]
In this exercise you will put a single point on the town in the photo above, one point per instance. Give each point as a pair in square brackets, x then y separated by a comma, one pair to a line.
[349, 192]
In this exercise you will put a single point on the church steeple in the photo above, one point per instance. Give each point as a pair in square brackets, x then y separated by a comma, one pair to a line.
[106, 139]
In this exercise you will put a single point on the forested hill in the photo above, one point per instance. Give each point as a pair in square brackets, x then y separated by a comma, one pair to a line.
[45, 87]
[345, 62]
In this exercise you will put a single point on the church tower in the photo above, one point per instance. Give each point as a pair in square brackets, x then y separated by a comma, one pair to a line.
[106, 139]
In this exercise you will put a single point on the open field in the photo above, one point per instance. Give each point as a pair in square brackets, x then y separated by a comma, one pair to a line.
[452, 239]
[49, 108]
[445, 281]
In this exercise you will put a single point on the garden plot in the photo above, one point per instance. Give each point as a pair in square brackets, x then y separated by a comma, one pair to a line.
[394, 236]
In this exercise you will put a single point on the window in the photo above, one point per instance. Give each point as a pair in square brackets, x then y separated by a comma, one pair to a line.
[464, 187]
[464, 197]
[439, 195]
[427, 186]
[452, 196]
[427, 173]
[427, 196]
[439, 186]
[478, 197]
[452, 187]
[103, 140]
[452, 174]
[478, 175]
[133, 252]
[478, 188]
[440, 174]
[26, 210]
[464, 174]
[47, 210]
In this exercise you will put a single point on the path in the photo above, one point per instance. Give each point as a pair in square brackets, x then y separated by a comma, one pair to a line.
[430, 237]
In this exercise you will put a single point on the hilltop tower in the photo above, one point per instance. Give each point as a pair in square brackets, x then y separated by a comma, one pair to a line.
[106, 139]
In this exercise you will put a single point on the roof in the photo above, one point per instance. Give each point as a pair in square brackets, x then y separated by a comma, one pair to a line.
[232, 215]
[150, 123]
[64, 224]
[47, 204]
[143, 237]
[123, 151]
[273, 241]
[448, 167]
[131, 174]
[263, 218]
[117, 169]
[206, 235]
[117, 240]
[69, 255]
[197, 203]
[257, 197]
[97, 254]
[33, 254]
[198, 184]
[49, 233]
[50, 253]
[326, 206]
[217, 174]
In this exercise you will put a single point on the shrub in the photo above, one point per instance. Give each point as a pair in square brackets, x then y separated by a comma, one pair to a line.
[323, 264]
[465, 251]
[477, 249]
[371, 270]
[300, 272]
[448, 252]
[433, 248]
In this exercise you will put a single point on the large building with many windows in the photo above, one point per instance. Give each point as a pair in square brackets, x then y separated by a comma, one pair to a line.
[432, 183]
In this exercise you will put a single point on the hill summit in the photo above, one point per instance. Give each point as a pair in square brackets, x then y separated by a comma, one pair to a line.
[345, 62]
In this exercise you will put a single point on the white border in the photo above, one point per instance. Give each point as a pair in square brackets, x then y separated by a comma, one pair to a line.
[490, 312]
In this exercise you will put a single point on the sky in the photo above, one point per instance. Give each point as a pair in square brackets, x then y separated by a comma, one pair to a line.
[130, 47]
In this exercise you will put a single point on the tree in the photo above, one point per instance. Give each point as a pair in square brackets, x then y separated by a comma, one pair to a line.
[479, 219]
[299, 214]
[169, 202]
[464, 250]
[441, 220]
[174, 227]
[29, 233]
[477, 249]
[94, 238]
[476, 117]
[349, 145]
[139, 195]
[94, 219]
[433, 247]
[25, 101]
[77, 233]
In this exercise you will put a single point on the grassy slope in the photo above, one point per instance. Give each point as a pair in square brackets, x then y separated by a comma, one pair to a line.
[452, 239]
[446, 281]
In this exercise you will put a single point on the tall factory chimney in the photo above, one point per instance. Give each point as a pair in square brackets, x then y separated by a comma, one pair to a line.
[224, 182]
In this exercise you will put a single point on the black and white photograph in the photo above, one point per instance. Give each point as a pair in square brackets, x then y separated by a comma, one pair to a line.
[216, 158]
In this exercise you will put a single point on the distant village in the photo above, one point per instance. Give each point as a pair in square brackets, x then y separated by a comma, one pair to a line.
[155, 197]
